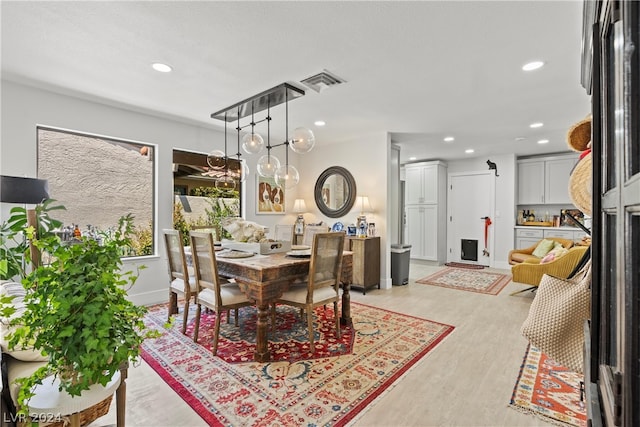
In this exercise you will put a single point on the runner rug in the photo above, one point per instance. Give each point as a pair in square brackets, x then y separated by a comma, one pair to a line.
[548, 390]
[468, 280]
[328, 391]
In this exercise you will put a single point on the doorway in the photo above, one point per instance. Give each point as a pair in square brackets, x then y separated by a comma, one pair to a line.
[471, 198]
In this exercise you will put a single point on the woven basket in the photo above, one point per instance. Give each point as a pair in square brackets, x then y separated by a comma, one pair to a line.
[89, 415]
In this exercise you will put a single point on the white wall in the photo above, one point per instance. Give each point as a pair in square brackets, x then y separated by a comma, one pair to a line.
[505, 200]
[366, 159]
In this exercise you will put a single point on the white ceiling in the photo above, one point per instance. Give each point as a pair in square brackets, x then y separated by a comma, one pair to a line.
[420, 70]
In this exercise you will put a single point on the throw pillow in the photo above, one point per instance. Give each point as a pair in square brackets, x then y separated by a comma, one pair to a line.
[543, 248]
[25, 354]
[554, 254]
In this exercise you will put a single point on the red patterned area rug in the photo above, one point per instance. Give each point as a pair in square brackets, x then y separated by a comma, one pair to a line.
[289, 342]
[327, 391]
[468, 280]
[549, 391]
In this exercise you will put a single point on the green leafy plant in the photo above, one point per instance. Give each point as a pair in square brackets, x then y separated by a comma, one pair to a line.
[78, 314]
[14, 235]
[215, 193]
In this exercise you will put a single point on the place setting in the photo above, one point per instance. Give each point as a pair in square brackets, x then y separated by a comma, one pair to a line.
[299, 251]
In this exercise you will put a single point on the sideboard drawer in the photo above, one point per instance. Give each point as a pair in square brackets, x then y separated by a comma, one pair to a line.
[529, 233]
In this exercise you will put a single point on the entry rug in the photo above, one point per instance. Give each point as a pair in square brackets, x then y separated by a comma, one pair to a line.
[548, 390]
[468, 280]
[330, 391]
[464, 265]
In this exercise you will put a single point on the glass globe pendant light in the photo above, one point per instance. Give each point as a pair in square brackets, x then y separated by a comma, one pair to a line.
[287, 176]
[217, 159]
[252, 143]
[226, 182]
[303, 140]
[267, 165]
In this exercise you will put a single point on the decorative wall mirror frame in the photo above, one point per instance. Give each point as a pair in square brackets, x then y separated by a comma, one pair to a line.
[335, 192]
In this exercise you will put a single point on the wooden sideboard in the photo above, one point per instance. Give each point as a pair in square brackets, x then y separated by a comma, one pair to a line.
[366, 262]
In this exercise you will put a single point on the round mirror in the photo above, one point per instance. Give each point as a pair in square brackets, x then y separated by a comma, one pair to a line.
[335, 192]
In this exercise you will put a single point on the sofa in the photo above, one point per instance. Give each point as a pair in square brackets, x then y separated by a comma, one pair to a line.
[517, 256]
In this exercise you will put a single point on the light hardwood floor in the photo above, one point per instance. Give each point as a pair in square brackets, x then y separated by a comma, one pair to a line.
[467, 380]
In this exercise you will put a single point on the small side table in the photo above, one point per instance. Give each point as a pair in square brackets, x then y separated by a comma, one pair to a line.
[366, 262]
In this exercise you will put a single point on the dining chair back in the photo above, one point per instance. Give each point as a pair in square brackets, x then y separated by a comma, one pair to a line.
[210, 290]
[283, 232]
[181, 282]
[323, 284]
[310, 231]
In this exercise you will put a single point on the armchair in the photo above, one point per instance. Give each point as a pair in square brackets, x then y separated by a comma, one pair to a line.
[531, 273]
[517, 256]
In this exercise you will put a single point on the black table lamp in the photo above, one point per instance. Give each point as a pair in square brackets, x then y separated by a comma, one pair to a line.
[14, 189]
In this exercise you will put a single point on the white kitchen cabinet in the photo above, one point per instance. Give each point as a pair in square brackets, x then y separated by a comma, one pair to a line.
[531, 183]
[528, 237]
[422, 235]
[426, 210]
[421, 182]
[556, 179]
[545, 180]
[562, 234]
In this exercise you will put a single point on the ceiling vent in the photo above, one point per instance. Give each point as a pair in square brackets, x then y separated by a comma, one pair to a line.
[322, 80]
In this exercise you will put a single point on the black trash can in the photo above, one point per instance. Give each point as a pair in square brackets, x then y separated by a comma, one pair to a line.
[400, 264]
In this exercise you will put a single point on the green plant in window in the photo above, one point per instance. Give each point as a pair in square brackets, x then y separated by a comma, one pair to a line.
[220, 209]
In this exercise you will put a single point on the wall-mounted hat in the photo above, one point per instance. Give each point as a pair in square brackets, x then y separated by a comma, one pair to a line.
[579, 136]
[580, 184]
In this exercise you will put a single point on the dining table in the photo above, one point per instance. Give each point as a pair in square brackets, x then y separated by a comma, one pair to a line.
[263, 278]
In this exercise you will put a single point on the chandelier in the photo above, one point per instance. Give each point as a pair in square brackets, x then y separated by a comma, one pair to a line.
[302, 139]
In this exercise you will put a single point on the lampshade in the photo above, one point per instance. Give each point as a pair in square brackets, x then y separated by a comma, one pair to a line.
[15, 189]
[299, 206]
[363, 203]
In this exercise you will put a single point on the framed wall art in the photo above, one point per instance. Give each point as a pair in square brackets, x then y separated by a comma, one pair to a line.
[270, 198]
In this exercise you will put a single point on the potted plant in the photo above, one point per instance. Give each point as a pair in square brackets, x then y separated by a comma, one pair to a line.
[77, 311]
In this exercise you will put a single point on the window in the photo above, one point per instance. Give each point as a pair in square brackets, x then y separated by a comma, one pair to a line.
[99, 179]
[197, 201]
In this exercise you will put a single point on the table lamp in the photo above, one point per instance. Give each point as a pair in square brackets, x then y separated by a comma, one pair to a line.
[300, 208]
[361, 223]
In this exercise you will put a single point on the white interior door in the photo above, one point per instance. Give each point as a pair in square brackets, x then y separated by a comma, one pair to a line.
[471, 197]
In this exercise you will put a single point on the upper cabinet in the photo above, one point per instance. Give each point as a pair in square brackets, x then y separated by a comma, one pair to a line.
[422, 182]
[545, 180]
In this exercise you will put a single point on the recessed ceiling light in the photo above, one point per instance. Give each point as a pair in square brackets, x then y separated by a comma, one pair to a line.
[163, 68]
[319, 123]
[412, 158]
[543, 141]
[536, 125]
[534, 65]
[520, 138]
[449, 139]
[469, 151]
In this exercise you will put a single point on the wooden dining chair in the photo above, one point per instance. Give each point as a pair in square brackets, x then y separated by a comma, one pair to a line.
[210, 290]
[323, 284]
[181, 282]
[283, 232]
[310, 231]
